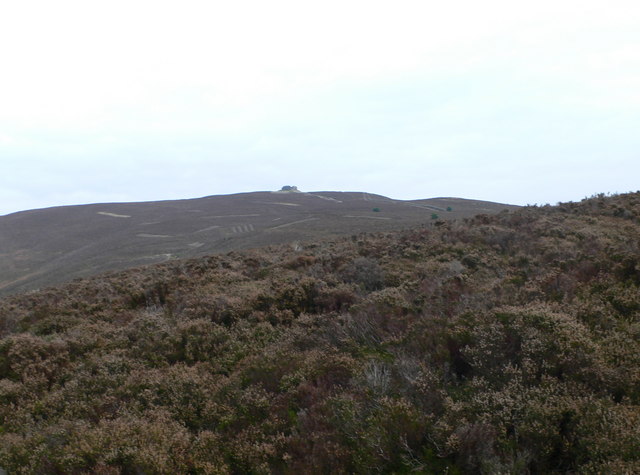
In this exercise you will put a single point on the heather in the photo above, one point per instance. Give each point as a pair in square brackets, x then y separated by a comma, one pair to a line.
[496, 344]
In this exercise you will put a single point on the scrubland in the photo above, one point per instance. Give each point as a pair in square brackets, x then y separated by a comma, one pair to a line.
[495, 344]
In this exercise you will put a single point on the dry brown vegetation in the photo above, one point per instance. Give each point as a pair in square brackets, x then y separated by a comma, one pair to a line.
[41, 248]
[498, 344]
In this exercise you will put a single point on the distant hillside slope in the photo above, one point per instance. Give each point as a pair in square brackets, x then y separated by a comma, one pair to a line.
[498, 344]
[49, 246]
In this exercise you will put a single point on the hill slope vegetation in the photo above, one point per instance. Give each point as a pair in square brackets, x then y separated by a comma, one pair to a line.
[50, 246]
[496, 344]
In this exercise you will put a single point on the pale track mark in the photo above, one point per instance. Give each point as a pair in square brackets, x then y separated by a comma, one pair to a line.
[145, 235]
[242, 228]
[366, 217]
[429, 207]
[294, 222]
[113, 215]
[326, 198]
[166, 257]
[206, 229]
[231, 216]
[278, 203]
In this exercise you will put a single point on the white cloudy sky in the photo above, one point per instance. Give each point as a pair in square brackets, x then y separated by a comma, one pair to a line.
[519, 102]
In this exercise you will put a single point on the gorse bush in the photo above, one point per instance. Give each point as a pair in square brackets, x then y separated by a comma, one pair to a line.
[501, 344]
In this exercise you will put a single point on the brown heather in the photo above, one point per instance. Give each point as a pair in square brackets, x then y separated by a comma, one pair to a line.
[500, 344]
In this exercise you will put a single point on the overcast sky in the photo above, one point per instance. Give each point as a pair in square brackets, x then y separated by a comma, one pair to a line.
[516, 102]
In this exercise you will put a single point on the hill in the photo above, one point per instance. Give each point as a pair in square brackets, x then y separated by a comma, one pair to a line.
[44, 247]
[506, 343]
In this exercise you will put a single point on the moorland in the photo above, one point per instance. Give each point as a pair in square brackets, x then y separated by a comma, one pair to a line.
[44, 247]
[496, 343]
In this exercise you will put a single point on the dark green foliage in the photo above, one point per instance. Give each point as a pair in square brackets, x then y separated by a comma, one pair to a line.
[503, 344]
